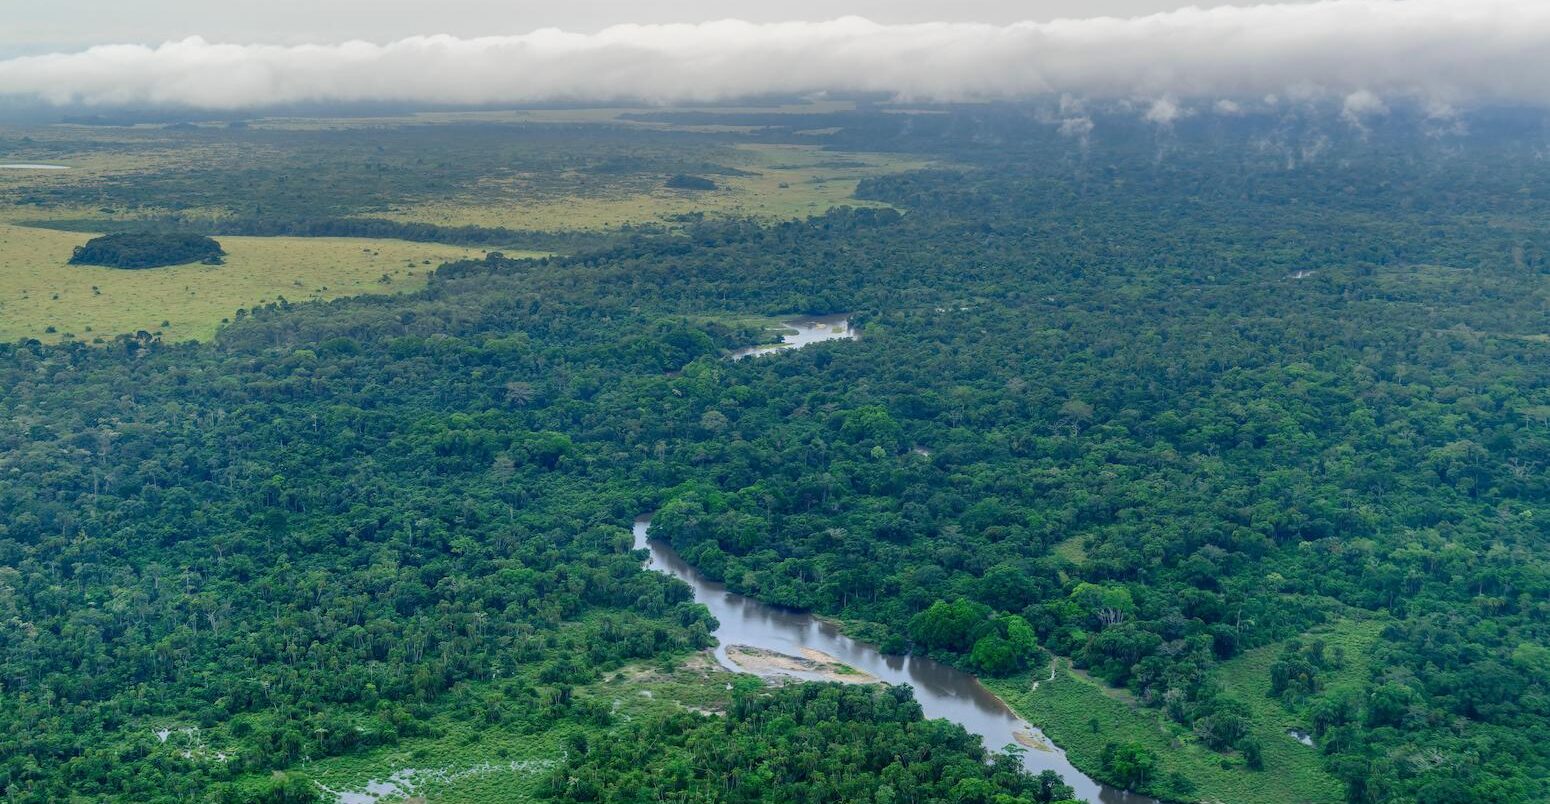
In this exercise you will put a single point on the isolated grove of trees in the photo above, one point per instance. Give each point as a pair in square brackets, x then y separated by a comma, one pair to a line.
[135, 250]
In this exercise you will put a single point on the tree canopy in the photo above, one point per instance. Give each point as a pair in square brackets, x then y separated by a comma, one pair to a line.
[1144, 413]
[136, 250]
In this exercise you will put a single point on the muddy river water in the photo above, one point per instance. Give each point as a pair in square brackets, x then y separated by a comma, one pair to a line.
[804, 331]
[943, 691]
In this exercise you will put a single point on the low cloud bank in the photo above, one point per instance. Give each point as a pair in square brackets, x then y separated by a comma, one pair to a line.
[1442, 53]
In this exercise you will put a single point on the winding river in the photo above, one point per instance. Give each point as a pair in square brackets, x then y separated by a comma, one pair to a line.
[943, 691]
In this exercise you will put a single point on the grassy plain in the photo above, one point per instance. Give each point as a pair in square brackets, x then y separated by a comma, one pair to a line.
[1066, 707]
[779, 182]
[516, 170]
[40, 290]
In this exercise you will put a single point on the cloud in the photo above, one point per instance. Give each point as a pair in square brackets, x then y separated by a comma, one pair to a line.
[1078, 127]
[1361, 105]
[1163, 112]
[1446, 52]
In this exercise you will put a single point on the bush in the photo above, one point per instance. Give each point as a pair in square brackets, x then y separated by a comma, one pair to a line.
[1130, 765]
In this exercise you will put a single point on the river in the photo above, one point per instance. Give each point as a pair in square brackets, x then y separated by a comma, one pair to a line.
[943, 691]
[806, 331]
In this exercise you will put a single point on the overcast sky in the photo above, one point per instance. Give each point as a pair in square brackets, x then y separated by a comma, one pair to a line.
[233, 54]
[32, 26]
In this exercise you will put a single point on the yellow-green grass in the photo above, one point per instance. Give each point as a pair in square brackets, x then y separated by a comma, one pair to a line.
[1066, 707]
[468, 764]
[787, 181]
[39, 289]
[784, 181]
[96, 154]
[1073, 550]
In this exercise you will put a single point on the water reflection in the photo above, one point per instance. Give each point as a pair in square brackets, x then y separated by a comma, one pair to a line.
[808, 331]
[943, 691]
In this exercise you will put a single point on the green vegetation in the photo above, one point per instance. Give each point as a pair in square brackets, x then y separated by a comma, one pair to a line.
[1186, 767]
[473, 753]
[685, 182]
[524, 185]
[509, 183]
[808, 742]
[1183, 430]
[43, 297]
[147, 250]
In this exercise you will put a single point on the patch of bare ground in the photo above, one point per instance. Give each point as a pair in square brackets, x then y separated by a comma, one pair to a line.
[812, 664]
[1028, 739]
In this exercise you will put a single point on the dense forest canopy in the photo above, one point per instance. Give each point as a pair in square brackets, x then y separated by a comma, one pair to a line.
[136, 250]
[1145, 403]
[810, 742]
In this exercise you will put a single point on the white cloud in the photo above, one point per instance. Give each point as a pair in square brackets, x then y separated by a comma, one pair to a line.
[1362, 105]
[1163, 112]
[1078, 127]
[1454, 52]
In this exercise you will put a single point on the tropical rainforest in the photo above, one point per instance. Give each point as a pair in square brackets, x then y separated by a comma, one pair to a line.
[1141, 402]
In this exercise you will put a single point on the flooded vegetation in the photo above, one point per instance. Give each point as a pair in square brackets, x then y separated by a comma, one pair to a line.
[407, 784]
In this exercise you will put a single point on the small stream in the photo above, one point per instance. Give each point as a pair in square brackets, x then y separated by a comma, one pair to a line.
[943, 691]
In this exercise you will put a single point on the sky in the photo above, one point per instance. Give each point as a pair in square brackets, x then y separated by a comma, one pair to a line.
[34, 26]
[1170, 61]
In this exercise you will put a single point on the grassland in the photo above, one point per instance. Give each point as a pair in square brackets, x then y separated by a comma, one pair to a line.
[1073, 550]
[551, 170]
[777, 182]
[468, 764]
[42, 297]
[40, 291]
[1067, 706]
[536, 170]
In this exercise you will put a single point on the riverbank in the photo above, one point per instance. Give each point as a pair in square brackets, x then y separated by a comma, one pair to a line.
[755, 635]
[814, 665]
[1082, 715]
